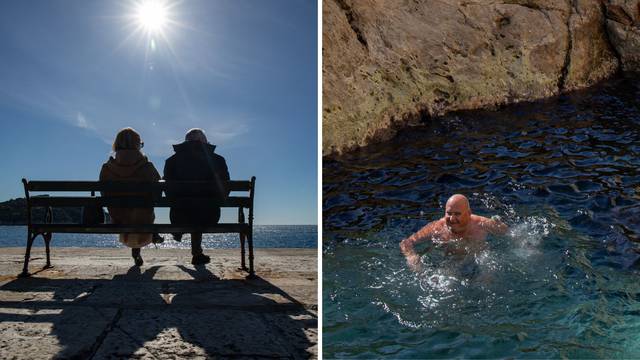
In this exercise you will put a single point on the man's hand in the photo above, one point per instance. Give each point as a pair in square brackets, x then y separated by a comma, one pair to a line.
[407, 245]
[413, 259]
[414, 262]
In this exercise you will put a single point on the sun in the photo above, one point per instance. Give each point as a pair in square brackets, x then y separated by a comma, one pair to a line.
[152, 16]
[153, 25]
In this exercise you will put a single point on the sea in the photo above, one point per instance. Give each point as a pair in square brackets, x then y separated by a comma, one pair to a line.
[264, 236]
[562, 284]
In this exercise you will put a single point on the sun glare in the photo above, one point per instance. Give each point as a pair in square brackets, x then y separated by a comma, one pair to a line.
[152, 15]
[152, 25]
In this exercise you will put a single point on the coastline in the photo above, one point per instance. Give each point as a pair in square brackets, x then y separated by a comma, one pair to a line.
[94, 302]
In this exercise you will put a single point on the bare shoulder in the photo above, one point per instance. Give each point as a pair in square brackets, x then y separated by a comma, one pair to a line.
[430, 229]
[480, 220]
[440, 222]
[437, 224]
[493, 226]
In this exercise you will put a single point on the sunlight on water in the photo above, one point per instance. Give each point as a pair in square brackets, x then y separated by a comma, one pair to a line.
[561, 284]
[265, 236]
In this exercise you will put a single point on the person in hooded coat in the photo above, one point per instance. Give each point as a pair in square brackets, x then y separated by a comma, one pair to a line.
[195, 160]
[130, 164]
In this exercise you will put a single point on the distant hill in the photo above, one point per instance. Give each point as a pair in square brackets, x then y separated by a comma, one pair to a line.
[14, 212]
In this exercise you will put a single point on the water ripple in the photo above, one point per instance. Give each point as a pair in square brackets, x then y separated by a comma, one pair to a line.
[563, 283]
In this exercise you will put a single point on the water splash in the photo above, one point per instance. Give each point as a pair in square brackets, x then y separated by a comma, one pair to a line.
[529, 234]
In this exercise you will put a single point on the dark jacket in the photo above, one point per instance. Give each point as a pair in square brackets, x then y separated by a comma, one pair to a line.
[196, 161]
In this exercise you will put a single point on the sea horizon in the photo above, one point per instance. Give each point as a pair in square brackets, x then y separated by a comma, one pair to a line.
[265, 236]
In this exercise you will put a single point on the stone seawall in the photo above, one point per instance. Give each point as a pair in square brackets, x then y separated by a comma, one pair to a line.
[389, 63]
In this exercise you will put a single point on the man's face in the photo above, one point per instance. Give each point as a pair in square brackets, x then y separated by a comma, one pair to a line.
[457, 215]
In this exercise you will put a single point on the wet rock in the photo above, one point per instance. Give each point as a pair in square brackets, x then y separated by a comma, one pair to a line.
[592, 57]
[622, 19]
[388, 63]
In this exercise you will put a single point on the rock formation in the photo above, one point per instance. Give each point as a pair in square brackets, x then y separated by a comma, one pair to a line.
[623, 21]
[388, 63]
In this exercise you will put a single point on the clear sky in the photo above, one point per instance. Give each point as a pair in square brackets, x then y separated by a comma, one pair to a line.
[74, 72]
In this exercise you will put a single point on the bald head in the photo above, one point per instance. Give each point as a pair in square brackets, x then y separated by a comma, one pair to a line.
[457, 213]
[459, 199]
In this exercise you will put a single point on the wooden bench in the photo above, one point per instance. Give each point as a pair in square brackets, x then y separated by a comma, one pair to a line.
[84, 195]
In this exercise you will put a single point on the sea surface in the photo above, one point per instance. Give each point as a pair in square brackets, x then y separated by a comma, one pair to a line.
[563, 283]
[264, 236]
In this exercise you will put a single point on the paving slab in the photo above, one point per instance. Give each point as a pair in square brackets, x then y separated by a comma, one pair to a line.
[95, 304]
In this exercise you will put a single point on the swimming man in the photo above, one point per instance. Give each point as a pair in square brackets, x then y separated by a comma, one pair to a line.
[458, 224]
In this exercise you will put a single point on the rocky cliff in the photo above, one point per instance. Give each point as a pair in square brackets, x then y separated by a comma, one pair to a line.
[388, 63]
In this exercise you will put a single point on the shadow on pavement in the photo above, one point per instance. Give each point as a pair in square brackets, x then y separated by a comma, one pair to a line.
[134, 315]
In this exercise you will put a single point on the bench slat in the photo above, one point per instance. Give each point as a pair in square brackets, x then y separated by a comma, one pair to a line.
[239, 185]
[200, 186]
[133, 201]
[148, 228]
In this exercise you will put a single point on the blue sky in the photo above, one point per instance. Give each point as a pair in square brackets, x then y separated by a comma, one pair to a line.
[72, 73]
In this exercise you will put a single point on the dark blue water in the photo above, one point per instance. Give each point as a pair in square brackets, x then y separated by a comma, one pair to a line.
[264, 236]
[564, 282]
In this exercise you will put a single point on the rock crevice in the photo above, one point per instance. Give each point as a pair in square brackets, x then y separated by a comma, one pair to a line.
[567, 58]
[351, 18]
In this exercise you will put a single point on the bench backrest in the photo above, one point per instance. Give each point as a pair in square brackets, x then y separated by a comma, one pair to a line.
[87, 193]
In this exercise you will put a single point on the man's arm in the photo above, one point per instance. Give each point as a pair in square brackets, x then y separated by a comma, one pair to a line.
[407, 246]
[168, 171]
[169, 175]
[224, 171]
[495, 226]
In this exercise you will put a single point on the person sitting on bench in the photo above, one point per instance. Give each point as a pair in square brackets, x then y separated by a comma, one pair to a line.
[130, 164]
[195, 160]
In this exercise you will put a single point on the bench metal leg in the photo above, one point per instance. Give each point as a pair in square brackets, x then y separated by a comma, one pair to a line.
[25, 269]
[243, 266]
[47, 241]
[250, 238]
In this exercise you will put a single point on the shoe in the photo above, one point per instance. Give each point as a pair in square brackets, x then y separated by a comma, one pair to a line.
[177, 237]
[157, 239]
[200, 259]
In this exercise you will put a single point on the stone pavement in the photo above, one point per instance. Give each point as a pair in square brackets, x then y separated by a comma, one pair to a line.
[95, 304]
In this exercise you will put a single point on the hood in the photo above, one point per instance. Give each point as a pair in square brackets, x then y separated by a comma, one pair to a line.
[126, 162]
[193, 146]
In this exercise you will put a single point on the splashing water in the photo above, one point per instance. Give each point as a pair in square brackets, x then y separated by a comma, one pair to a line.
[562, 283]
[528, 235]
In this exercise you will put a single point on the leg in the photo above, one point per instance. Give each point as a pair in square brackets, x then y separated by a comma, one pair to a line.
[250, 238]
[196, 244]
[47, 241]
[157, 239]
[196, 250]
[243, 266]
[25, 269]
[175, 218]
[135, 254]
